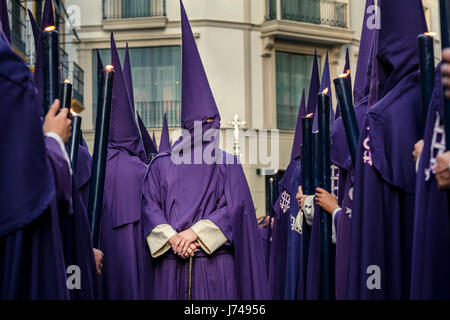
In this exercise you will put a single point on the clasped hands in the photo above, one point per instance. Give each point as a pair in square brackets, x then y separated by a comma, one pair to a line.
[185, 243]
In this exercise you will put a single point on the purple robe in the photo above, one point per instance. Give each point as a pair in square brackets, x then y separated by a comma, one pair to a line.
[121, 238]
[31, 255]
[234, 271]
[383, 205]
[431, 244]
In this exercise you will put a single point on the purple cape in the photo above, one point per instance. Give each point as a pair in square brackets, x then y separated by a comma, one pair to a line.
[31, 255]
[431, 243]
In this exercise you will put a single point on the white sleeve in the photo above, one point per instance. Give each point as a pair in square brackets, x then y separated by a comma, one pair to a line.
[158, 239]
[58, 139]
[209, 235]
[298, 224]
[333, 225]
[417, 163]
[309, 210]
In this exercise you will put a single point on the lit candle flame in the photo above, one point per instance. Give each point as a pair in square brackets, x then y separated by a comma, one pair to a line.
[346, 74]
[430, 34]
[310, 115]
[325, 91]
[73, 112]
[50, 28]
[109, 67]
[66, 80]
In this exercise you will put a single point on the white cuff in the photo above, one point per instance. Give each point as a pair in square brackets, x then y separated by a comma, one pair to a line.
[209, 235]
[417, 163]
[298, 224]
[158, 239]
[333, 226]
[58, 139]
[309, 210]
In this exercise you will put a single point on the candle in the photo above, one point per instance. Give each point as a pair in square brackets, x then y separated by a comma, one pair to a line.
[75, 139]
[426, 63]
[50, 45]
[444, 6]
[324, 182]
[273, 191]
[100, 149]
[65, 92]
[315, 172]
[344, 95]
[307, 156]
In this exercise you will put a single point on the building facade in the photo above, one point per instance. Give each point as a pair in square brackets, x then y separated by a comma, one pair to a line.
[257, 55]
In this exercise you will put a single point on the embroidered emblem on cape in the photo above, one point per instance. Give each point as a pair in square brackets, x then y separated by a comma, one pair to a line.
[285, 201]
[437, 145]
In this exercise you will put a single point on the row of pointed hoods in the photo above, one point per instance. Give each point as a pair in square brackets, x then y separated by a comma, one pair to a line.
[386, 55]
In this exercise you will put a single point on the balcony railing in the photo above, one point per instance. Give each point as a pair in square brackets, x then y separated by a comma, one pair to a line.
[123, 9]
[64, 62]
[18, 27]
[152, 113]
[78, 83]
[328, 12]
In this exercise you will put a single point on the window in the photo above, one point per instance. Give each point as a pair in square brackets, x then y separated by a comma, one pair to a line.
[293, 74]
[156, 75]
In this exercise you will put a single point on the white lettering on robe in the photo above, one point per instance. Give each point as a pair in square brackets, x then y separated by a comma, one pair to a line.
[334, 180]
[367, 158]
[437, 145]
[348, 211]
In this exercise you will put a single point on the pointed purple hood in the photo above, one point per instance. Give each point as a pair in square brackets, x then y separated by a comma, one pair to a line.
[124, 132]
[313, 86]
[154, 139]
[5, 20]
[325, 83]
[35, 28]
[397, 41]
[146, 140]
[128, 76]
[359, 89]
[164, 143]
[297, 144]
[197, 100]
[48, 17]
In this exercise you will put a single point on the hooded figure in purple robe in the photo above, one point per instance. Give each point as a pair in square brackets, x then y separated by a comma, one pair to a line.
[149, 147]
[31, 255]
[383, 205]
[431, 244]
[314, 281]
[211, 198]
[340, 156]
[121, 238]
[164, 142]
[294, 234]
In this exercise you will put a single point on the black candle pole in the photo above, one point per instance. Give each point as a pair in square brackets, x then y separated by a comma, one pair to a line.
[50, 44]
[315, 172]
[100, 149]
[324, 181]
[307, 156]
[65, 92]
[273, 191]
[426, 63]
[74, 141]
[344, 95]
